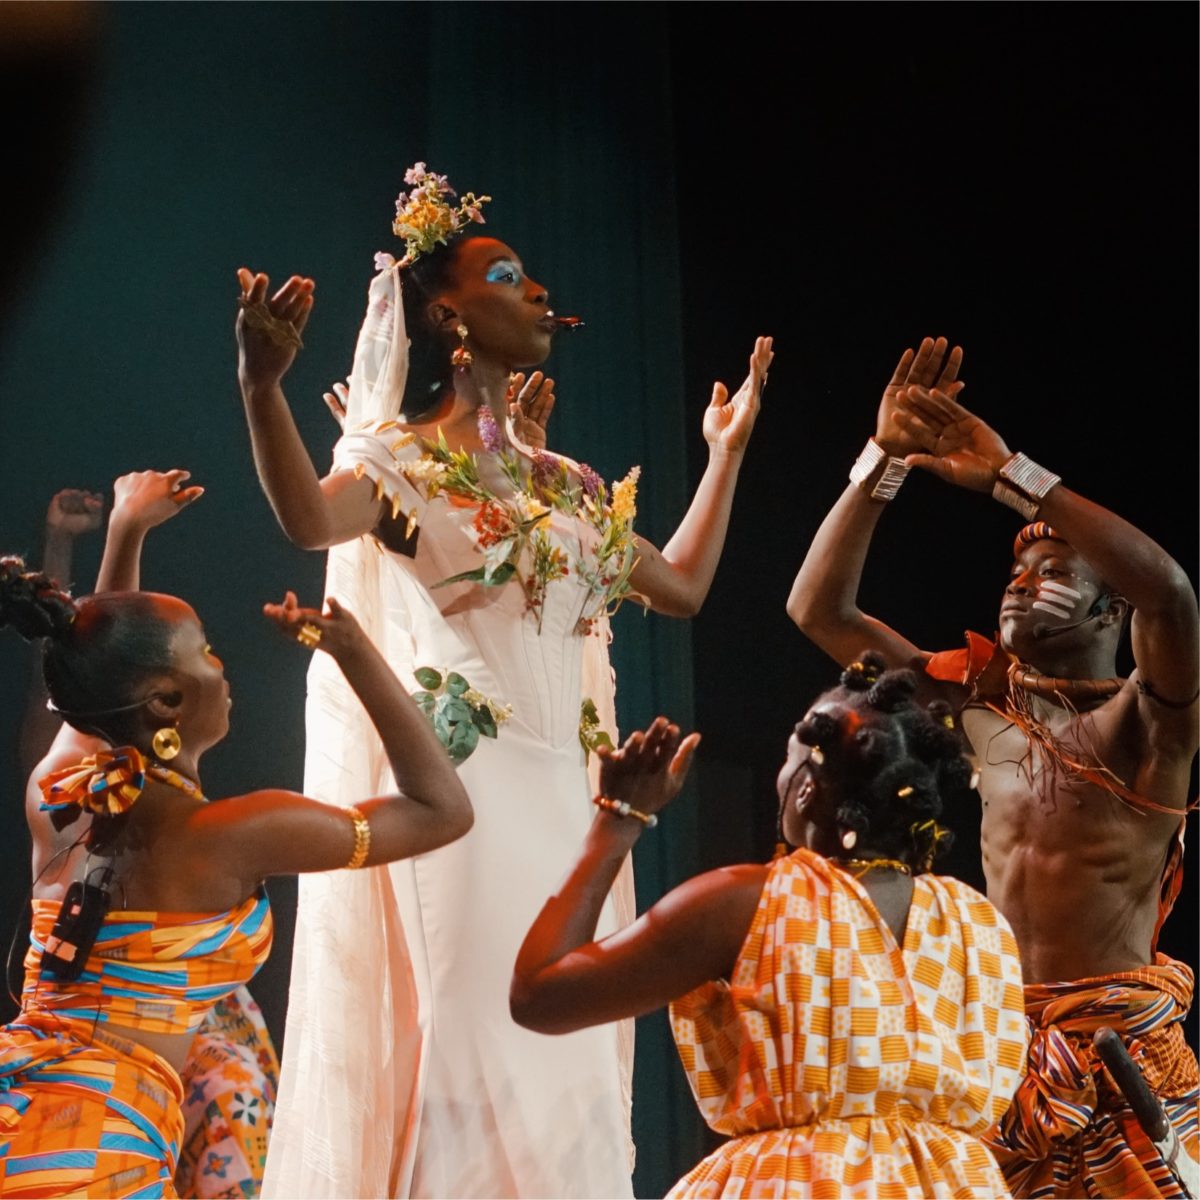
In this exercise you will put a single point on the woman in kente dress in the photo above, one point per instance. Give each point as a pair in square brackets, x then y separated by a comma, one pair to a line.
[164, 914]
[851, 1022]
[484, 568]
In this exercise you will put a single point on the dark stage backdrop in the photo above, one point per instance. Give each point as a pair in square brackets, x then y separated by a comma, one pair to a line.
[1017, 177]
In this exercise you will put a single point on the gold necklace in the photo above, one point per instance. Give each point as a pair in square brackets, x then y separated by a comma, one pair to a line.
[858, 867]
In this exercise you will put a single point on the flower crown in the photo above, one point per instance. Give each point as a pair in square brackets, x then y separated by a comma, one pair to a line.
[424, 218]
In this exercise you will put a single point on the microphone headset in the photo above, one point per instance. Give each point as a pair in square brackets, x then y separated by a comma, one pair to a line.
[1099, 606]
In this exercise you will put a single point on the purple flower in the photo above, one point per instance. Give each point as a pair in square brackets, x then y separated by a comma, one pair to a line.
[414, 173]
[489, 431]
[401, 203]
[592, 483]
[546, 468]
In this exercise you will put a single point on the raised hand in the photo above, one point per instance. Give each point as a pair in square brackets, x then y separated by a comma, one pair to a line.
[728, 421]
[147, 498]
[930, 365]
[648, 770]
[268, 330]
[530, 402]
[957, 446]
[73, 512]
[335, 630]
[337, 400]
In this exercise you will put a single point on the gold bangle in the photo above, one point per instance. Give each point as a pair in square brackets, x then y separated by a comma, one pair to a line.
[622, 808]
[362, 839]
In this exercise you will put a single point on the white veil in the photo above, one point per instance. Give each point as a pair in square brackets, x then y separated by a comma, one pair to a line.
[350, 1085]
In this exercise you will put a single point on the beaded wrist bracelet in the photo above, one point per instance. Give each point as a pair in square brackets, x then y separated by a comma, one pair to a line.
[622, 808]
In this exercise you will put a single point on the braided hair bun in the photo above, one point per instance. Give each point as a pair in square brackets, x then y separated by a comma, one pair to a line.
[888, 763]
[32, 603]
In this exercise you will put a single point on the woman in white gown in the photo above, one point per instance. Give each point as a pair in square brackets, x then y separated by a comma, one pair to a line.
[403, 1072]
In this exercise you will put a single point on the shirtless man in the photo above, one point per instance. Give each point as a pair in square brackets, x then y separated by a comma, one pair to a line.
[1083, 776]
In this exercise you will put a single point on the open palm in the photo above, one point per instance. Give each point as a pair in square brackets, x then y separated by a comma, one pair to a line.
[729, 420]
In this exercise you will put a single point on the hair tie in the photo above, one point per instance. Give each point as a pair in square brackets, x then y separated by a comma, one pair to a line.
[928, 838]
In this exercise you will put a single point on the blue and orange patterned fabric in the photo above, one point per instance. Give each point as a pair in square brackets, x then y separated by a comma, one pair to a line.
[1069, 1131]
[843, 1064]
[84, 1109]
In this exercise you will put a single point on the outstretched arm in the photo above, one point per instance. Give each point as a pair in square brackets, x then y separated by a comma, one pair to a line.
[314, 513]
[563, 980]
[824, 597]
[676, 579]
[1164, 630]
[141, 500]
[71, 513]
[281, 833]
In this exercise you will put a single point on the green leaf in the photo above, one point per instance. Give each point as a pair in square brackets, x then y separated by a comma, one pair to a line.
[600, 738]
[455, 710]
[427, 677]
[484, 721]
[501, 573]
[475, 576]
[463, 741]
[425, 702]
[456, 684]
[441, 727]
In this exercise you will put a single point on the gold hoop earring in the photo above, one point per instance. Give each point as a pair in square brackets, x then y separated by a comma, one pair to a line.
[166, 743]
[461, 357]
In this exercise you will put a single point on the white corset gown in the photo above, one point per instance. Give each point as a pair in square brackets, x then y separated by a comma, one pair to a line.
[403, 1073]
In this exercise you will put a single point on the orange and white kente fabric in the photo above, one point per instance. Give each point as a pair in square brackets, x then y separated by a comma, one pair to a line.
[842, 1064]
[1069, 1131]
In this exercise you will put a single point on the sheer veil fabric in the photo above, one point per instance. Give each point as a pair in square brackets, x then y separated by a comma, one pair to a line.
[361, 1013]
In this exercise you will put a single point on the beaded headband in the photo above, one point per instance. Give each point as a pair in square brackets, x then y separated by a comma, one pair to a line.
[1037, 531]
[424, 217]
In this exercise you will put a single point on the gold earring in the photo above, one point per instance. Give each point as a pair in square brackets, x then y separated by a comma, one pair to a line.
[166, 743]
[462, 357]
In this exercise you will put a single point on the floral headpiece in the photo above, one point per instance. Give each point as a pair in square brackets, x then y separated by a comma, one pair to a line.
[425, 219]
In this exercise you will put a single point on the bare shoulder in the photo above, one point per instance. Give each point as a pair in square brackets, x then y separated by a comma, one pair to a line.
[726, 891]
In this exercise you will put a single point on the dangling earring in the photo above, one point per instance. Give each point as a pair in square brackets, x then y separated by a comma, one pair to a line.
[461, 357]
[166, 743]
[849, 839]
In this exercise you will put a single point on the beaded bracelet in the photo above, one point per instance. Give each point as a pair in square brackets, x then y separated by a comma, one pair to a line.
[622, 808]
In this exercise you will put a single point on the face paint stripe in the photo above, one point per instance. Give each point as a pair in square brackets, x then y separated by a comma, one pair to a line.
[1053, 609]
[1048, 585]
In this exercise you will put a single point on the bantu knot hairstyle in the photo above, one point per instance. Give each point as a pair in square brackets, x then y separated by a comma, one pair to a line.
[96, 651]
[32, 603]
[888, 763]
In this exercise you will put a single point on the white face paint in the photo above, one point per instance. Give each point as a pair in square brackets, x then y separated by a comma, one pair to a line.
[1056, 599]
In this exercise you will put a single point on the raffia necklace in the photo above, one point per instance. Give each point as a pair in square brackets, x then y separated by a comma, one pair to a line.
[1057, 688]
